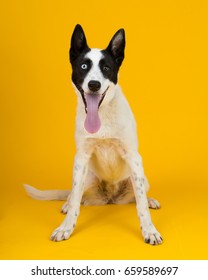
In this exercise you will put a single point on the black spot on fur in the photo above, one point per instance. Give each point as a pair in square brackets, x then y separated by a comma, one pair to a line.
[147, 240]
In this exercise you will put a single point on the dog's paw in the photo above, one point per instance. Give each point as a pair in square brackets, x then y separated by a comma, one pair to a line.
[152, 237]
[65, 208]
[153, 203]
[60, 234]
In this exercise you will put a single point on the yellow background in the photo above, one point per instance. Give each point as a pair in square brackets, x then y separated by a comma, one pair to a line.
[164, 77]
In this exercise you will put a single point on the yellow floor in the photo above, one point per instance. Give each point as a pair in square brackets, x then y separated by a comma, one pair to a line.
[105, 232]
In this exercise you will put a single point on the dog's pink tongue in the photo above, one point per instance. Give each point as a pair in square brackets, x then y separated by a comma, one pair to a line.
[92, 122]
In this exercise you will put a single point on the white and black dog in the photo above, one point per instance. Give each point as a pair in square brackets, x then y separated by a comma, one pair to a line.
[107, 165]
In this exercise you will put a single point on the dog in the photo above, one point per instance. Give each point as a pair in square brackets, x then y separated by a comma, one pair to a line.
[107, 166]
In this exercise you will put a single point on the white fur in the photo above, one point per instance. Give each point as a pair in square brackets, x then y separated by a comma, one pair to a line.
[109, 155]
[94, 74]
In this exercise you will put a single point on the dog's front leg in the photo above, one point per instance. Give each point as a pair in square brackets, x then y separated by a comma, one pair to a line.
[79, 175]
[149, 232]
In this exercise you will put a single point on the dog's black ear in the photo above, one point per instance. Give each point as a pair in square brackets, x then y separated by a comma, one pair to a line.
[78, 43]
[117, 45]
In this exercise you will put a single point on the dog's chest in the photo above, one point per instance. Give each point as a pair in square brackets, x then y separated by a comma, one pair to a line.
[107, 162]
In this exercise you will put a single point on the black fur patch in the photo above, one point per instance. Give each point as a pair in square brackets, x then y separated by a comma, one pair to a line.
[79, 74]
[109, 65]
[78, 43]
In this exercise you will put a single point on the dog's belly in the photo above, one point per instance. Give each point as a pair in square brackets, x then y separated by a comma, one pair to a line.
[107, 164]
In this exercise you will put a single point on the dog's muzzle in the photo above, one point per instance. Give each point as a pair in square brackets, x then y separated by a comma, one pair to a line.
[92, 102]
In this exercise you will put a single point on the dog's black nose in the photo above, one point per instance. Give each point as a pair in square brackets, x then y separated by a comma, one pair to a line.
[94, 85]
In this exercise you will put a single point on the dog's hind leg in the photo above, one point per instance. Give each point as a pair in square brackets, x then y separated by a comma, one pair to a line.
[152, 203]
[126, 194]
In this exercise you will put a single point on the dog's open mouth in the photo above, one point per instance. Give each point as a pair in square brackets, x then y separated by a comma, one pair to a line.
[92, 103]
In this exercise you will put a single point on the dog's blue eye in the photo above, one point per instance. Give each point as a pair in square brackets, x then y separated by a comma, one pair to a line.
[106, 68]
[84, 66]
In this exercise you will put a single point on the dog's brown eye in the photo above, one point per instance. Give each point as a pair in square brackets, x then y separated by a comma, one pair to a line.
[106, 68]
[84, 66]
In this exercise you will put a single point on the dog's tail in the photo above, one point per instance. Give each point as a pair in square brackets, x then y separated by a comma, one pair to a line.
[46, 195]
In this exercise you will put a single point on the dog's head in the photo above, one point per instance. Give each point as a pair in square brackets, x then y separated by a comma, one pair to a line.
[95, 73]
